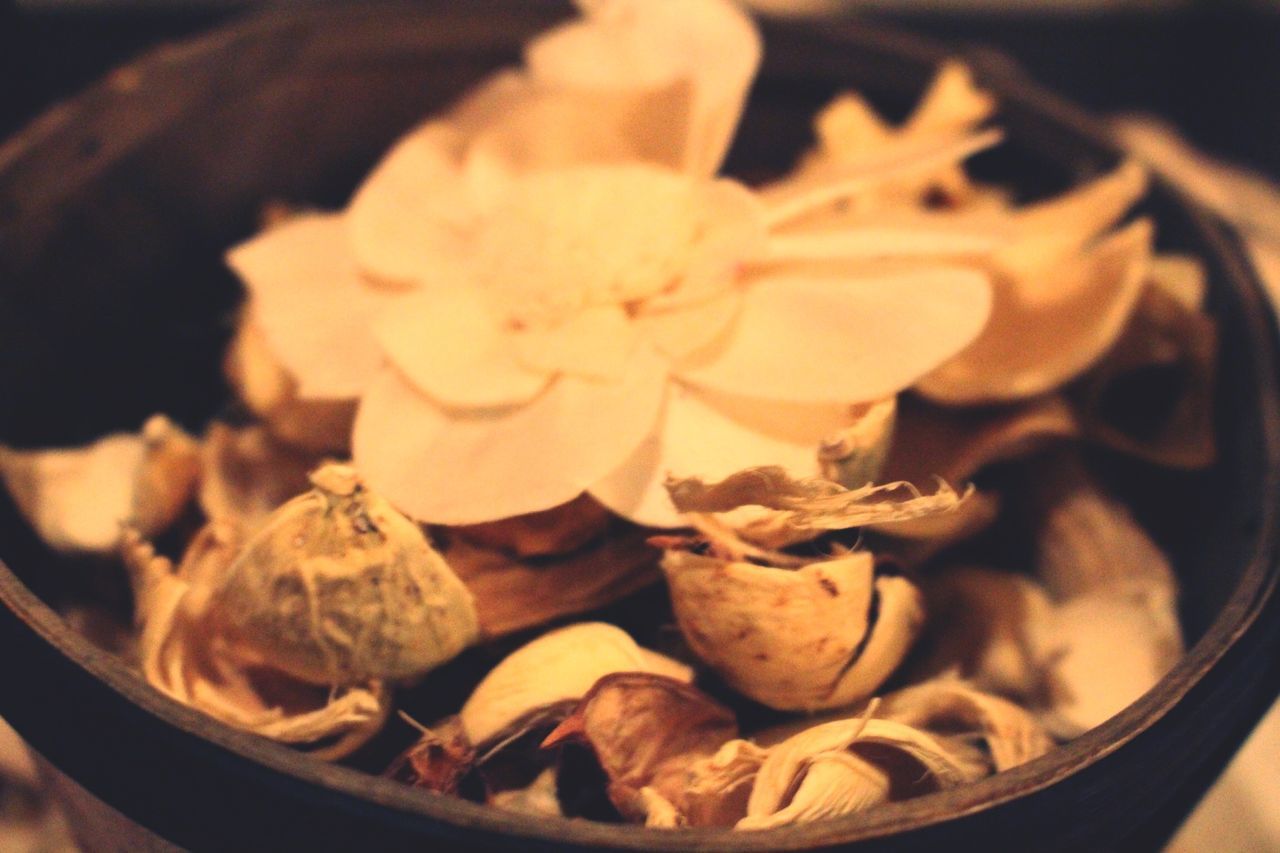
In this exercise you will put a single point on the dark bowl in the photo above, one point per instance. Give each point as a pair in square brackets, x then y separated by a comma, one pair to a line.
[114, 303]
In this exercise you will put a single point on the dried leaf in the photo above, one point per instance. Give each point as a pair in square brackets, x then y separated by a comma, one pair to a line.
[557, 668]
[557, 531]
[77, 498]
[645, 730]
[821, 636]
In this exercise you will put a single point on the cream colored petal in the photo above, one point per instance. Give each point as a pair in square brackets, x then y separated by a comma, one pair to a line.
[832, 784]
[595, 343]
[559, 666]
[448, 343]
[311, 304]
[952, 102]
[451, 467]
[878, 242]
[689, 331]
[713, 435]
[851, 340]
[408, 221]
[625, 44]
[855, 455]
[246, 474]
[1044, 335]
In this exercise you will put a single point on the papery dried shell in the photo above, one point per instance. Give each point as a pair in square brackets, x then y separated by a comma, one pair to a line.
[855, 456]
[247, 474]
[556, 668]
[645, 730]
[821, 636]
[1152, 395]
[538, 798]
[513, 594]
[340, 588]
[438, 761]
[949, 706]
[268, 390]
[717, 788]
[77, 498]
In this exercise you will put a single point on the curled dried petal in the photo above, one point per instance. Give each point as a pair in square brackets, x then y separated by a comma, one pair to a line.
[438, 761]
[247, 473]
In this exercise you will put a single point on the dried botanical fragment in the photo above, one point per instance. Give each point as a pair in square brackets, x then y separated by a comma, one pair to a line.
[821, 636]
[270, 392]
[559, 530]
[716, 788]
[438, 761]
[538, 798]
[848, 766]
[339, 588]
[512, 594]
[78, 498]
[555, 670]
[1152, 395]
[949, 706]
[184, 660]
[855, 456]
[247, 473]
[645, 730]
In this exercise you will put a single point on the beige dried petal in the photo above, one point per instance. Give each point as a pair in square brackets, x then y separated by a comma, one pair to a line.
[1182, 278]
[951, 707]
[268, 390]
[538, 798]
[893, 761]
[1152, 395]
[794, 639]
[659, 813]
[717, 788]
[512, 594]
[805, 508]
[77, 498]
[340, 588]
[247, 474]
[438, 760]
[855, 456]
[982, 624]
[557, 667]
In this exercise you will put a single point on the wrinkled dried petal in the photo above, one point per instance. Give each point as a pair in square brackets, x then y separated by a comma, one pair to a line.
[716, 788]
[855, 456]
[340, 588]
[832, 784]
[645, 730]
[951, 707]
[820, 636]
[512, 594]
[77, 498]
[1182, 278]
[247, 474]
[438, 761]
[538, 798]
[558, 667]
[1152, 395]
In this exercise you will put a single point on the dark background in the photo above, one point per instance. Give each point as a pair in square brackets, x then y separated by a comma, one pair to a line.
[1212, 68]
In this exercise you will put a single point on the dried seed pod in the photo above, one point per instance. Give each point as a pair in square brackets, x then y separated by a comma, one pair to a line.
[77, 498]
[512, 594]
[821, 636]
[850, 765]
[184, 660]
[948, 706]
[247, 474]
[267, 389]
[556, 669]
[645, 730]
[339, 588]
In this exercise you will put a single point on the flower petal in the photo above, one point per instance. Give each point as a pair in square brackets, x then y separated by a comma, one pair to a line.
[878, 241]
[640, 44]
[1045, 331]
[448, 467]
[846, 340]
[686, 331]
[447, 343]
[595, 342]
[312, 305]
[706, 434]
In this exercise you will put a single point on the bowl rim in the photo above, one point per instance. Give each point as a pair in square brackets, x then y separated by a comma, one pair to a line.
[1257, 585]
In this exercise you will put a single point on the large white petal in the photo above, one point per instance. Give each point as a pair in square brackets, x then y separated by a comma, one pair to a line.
[450, 467]
[710, 435]
[846, 340]
[312, 305]
[448, 343]
[595, 343]
[689, 330]
[646, 44]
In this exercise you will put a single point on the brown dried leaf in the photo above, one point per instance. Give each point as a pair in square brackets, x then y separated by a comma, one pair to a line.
[556, 531]
[645, 730]
[247, 474]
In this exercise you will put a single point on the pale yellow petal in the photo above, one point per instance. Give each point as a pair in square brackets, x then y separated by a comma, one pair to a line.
[850, 340]
[595, 342]
[451, 467]
[688, 330]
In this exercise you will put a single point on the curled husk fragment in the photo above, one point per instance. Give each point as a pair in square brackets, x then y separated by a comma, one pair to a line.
[715, 789]
[949, 706]
[269, 391]
[555, 671]
[1152, 395]
[850, 765]
[821, 636]
[339, 588]
[512, 594]
[645, 730]
[247, 473]
[181, 658]
[855, 456]
[538, 798]
[439, 760]
[77, 498]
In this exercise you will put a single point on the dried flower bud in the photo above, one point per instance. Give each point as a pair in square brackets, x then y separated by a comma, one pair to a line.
[339, 588]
